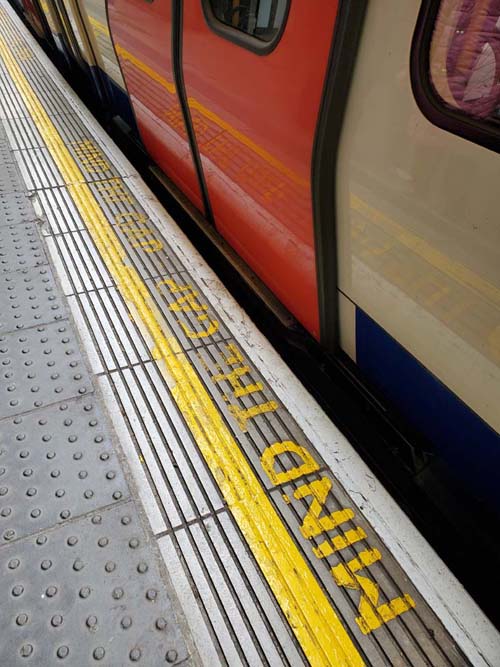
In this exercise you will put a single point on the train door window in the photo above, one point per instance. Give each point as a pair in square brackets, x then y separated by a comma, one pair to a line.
[456, 67]
[255, 24]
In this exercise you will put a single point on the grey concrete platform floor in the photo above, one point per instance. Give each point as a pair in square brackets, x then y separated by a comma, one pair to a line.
[82, 582]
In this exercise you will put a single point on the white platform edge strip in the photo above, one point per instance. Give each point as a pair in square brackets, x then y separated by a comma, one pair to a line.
[464, 620]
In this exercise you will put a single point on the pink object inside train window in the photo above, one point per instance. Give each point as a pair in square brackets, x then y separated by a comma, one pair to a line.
[465, 57]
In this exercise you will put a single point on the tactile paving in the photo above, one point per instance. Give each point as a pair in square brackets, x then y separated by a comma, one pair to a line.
[40, 366]
[10, 178]
[15, 208]
[86, 593]
[38, 169]
[6, 156]
[29, 297]
[20, 247]
[82, 580]
[56, 463]
[22, 133]
[11, 104]
[191, 326]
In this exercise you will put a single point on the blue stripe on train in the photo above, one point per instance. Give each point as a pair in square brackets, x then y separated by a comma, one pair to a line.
[468, 446]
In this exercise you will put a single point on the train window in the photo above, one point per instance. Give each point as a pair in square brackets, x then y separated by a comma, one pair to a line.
[255, 24]
[456, 67]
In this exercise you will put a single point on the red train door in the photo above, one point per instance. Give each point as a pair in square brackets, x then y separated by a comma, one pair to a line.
[142, 36]
[245, 77]
[254, 72]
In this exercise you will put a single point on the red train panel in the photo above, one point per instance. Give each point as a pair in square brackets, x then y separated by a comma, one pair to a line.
[142, 34]
[255, 119]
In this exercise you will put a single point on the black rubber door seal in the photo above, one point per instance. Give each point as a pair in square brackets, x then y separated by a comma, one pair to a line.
[177, 32]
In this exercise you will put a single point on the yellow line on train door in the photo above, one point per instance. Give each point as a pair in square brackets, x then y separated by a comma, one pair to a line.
[319, 631]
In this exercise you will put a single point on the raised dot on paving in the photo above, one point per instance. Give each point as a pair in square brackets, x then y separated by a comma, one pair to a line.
[20, 247]
[40, 366]
[29, 297]
[41, 466]
[70, 614]
[15, 208]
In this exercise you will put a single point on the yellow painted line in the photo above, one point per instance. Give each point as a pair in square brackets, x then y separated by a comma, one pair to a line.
[317, 627]
[454, 270]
